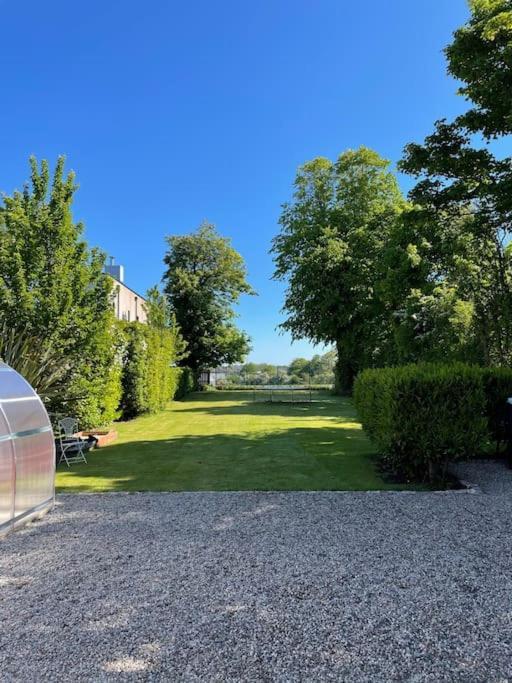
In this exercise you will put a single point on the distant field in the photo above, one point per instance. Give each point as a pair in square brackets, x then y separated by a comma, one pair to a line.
[224, 441]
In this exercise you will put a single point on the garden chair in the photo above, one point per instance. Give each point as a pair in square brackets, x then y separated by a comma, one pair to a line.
[72, 448]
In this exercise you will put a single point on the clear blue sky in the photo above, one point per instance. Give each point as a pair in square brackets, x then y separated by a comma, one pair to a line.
[175, 112]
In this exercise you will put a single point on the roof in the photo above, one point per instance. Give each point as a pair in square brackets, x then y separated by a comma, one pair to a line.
[123, 284]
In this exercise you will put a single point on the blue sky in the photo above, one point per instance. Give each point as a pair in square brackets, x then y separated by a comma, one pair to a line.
[174, 113]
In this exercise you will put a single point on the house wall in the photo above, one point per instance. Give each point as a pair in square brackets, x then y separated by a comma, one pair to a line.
[128, 305]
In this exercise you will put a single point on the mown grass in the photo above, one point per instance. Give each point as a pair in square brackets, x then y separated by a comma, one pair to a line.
[223, 441]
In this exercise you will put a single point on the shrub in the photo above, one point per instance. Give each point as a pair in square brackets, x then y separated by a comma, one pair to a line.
[422, 416]
[95, 393]
[161, 374]
[42, 366]
[149, 378]
[134, 379]
[186, 382]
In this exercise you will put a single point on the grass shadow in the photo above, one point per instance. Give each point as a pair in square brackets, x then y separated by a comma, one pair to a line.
[242, 403]
[296, 459]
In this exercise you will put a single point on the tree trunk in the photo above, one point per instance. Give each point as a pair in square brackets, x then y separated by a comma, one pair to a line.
[344, 373]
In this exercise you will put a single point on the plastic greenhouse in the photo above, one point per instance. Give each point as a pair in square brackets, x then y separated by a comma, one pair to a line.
[27, 452]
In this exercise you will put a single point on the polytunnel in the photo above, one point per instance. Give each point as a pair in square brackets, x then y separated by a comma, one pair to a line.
[27, 452]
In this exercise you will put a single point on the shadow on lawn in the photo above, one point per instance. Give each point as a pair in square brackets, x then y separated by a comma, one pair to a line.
[324, 406]
[326, 458]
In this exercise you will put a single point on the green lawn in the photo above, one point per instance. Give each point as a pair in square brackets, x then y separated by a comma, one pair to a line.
[222, 441]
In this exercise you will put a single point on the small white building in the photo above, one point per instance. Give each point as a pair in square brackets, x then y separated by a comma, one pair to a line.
[128, 305]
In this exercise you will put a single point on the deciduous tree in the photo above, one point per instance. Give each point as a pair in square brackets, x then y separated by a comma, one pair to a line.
[52, 288]
[329, 251]
[205, 278]
[458, 177]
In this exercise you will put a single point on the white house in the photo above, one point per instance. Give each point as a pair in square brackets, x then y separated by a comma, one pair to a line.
[128, 305]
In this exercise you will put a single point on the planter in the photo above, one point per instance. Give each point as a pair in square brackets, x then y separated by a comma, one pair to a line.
[103, 436]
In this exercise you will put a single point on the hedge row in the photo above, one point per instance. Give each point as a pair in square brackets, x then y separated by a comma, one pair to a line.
[149, 377]
[423, 416]
[186, 382]
[96, 391]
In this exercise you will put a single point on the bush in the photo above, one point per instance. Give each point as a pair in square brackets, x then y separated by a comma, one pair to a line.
[95, 392]
[149, 378]
[161, 374]
[134, 379]
[185, 382]
[422, 416]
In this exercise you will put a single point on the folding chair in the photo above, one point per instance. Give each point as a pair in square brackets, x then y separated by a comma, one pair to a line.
[72, 448]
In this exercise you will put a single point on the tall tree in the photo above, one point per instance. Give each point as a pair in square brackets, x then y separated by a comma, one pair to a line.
[480, 56]
[52, 288]
[431, 274]
[457, 177]
[329, 251]
[205, 278]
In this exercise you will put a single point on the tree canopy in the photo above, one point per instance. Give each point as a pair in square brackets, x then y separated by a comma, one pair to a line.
[205, 278]
[463, 195]
[52, 288]
[480, 56]
[329, 252]
[390, 281]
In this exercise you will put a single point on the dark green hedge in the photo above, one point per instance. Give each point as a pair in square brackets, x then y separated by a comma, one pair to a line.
[134, 399]
[422, 416]
[149, 378]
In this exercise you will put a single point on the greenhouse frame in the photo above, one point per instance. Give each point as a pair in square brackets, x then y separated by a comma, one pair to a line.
[27, 452]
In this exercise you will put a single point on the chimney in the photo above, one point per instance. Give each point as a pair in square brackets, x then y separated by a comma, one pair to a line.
[114, 270]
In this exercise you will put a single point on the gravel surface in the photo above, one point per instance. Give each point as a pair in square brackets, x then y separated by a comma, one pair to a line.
[488, 475]
[260, 587]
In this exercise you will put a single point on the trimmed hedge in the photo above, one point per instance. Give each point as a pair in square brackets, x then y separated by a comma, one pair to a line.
[96, 392]
[186, 382]
[422, 416]
[134, 400]
[149, 378]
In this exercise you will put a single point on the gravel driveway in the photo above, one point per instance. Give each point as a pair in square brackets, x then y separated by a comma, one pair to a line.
[260, 587]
